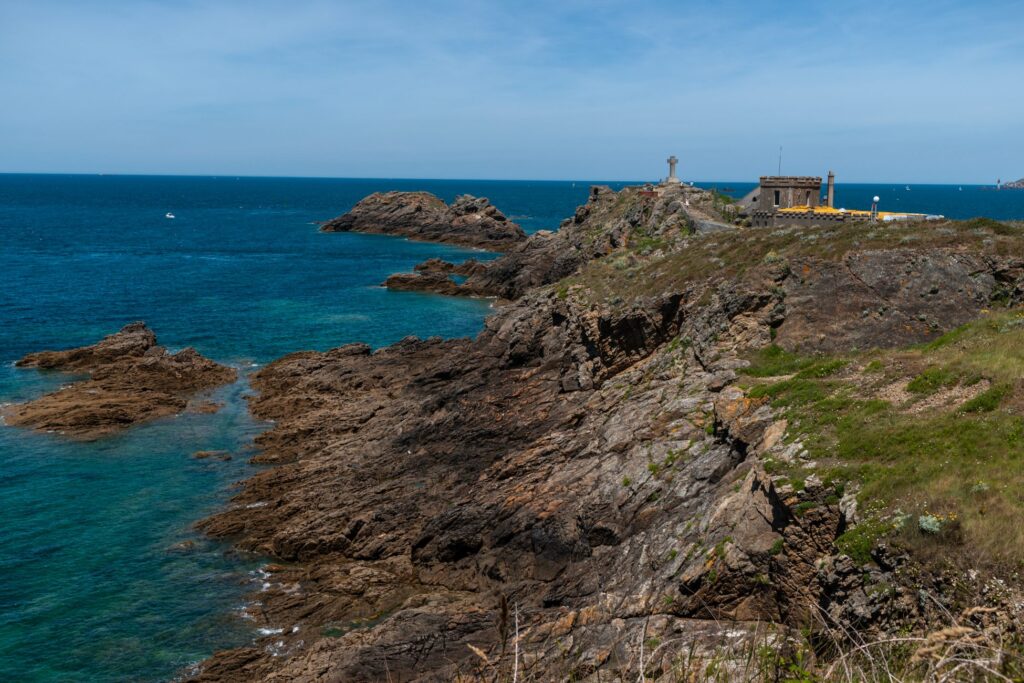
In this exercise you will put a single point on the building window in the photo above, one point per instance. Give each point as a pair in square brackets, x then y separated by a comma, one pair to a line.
[808, 202]
[778, 197]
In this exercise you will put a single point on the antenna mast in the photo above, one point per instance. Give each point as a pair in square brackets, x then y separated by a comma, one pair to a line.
[780, 159]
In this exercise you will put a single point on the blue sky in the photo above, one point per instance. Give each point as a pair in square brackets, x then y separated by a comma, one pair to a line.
[899, 91]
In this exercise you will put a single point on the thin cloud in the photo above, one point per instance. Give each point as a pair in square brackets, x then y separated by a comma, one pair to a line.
[466, 88]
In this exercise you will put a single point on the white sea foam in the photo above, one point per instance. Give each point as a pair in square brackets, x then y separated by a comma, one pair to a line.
[270, 631]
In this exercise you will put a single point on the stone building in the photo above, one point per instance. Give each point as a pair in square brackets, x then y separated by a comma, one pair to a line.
[784, 192]
[796, 200]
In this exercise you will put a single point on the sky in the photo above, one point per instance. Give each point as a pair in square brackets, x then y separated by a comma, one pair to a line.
[901, 91]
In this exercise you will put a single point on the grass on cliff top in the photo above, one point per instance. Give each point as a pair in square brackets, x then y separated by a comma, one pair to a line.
[626, 274]
[933, 434]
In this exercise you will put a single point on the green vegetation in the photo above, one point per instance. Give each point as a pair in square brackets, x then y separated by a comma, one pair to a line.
[646, 245]
[931, 380]
[874, 366]
[927, 461]
[772, 361]
[861, 539]
[684, 259]
[995, 227]
[988, 400]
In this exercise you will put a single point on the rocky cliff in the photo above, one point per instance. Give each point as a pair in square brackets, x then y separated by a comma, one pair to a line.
[128, 379]
[636, 216]
[468, 221]
[590, 489]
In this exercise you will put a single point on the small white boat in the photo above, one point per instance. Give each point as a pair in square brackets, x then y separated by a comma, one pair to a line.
[908, 188]
[961, 189]
[168, 215]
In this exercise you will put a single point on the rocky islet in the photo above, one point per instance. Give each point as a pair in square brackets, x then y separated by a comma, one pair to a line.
[468, 221]
[127, 379]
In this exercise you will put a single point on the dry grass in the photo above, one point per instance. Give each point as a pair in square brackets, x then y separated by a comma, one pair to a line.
[730, 254]
[980, 644]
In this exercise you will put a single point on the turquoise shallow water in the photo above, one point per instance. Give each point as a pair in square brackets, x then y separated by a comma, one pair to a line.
[90, 589]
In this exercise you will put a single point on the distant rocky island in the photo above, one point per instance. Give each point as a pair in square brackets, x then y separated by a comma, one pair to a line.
[469, 221]
[1017, 184]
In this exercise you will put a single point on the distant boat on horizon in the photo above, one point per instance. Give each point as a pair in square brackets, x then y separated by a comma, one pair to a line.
[168, 215]
[908, 188]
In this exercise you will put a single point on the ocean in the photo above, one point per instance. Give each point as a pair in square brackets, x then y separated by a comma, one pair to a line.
[96, 586]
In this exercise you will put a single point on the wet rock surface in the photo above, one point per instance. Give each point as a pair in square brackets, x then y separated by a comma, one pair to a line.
[580, 482]
[128, 379]
[468, 221]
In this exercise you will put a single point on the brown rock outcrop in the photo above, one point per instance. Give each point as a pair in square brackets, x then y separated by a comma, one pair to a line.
[434, 275]
[609, 220]
[130, 380]
[466, 268]
[468, 221]
[578, 483]
[430, 281]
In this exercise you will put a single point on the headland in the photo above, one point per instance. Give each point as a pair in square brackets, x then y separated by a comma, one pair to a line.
[675, 444]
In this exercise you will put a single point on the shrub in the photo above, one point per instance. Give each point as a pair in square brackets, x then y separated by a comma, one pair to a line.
[931, 380]
[986, 401]
[859, 541]
[929, 524]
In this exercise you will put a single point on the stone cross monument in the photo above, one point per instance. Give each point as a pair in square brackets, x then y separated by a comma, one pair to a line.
[672, 161]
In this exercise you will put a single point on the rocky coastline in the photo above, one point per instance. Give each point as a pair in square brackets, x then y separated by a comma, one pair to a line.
[589, 490]
[610, 480]
[128, 379]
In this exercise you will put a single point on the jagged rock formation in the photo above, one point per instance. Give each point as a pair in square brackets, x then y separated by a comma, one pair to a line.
[1017, 184]
[608, 221]
[586, 468]
[130, 380]
[434, 275]
[469, 221]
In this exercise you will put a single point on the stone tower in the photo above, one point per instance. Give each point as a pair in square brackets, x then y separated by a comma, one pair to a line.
[672, 179]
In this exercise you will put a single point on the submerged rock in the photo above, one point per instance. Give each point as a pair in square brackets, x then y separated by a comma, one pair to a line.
[130, 380]
[216, 455]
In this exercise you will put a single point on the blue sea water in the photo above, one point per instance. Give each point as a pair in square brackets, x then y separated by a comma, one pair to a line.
[91, 588]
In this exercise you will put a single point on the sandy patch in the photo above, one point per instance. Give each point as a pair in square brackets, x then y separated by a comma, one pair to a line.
[897, 394]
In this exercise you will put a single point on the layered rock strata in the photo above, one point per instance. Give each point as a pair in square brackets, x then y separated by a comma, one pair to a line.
[128, 379]
[468, 221]
[578, 493]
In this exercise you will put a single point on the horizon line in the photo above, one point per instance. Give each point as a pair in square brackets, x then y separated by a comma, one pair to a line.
[455, 179]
